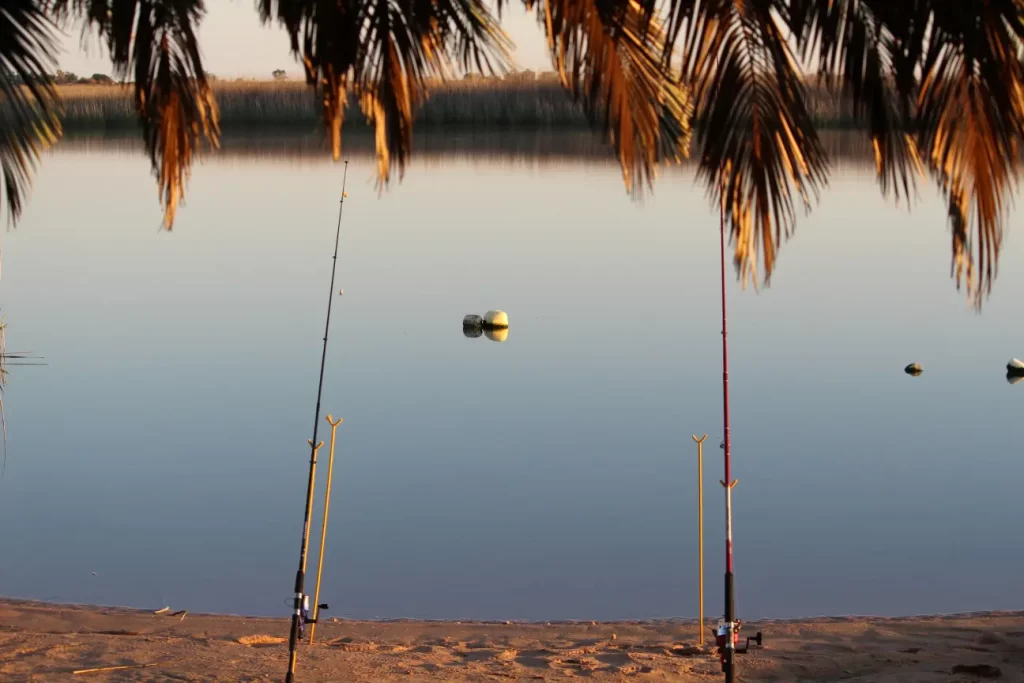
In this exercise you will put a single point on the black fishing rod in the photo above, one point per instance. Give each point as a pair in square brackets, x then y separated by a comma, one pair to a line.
[300, 613]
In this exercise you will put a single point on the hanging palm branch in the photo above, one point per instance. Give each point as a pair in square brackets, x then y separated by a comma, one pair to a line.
[383, 52]
[940, 84]
[609, 55]
[758, 143]
[154, 43]
[29, 105]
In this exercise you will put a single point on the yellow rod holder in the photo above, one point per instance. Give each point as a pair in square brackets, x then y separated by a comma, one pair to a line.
[323, 529]
[312, 487]
[700, 534]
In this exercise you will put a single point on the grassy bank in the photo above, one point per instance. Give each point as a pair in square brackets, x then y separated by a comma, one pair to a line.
[482, 103]
[292, 104]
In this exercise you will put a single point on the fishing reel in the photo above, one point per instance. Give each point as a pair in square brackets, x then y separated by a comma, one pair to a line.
[727, 637]
[303, 614]
[304, 617]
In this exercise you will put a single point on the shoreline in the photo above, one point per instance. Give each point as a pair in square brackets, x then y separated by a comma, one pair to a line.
[13, 601]
[48, 641]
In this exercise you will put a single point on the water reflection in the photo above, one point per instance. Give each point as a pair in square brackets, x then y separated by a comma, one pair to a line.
[496, 334]
[183, 369]
[434, 148]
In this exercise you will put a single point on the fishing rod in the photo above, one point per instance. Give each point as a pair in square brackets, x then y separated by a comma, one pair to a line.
[300, 613]
[727, 637]
[727, 630]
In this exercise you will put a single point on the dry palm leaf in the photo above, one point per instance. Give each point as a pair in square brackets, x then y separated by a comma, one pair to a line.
[29, 105]
[757, 141]
[609, 55]
[939, 83]
[154, 42]
[384, 52]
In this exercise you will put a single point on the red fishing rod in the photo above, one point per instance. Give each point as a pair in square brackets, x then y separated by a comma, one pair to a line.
[727, 637]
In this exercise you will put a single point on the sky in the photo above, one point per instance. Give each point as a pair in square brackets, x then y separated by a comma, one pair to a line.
[235, 44]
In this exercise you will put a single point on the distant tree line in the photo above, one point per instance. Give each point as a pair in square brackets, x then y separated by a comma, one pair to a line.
[66, 78]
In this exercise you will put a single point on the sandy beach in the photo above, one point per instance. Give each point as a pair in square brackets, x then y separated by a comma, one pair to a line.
[45, 642]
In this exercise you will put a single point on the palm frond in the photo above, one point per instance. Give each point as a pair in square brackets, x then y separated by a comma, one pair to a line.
[868, 55]
[758, 142]
[383, 52]
[609, 54]
[154, 42]
[971, 126]
[29, 106]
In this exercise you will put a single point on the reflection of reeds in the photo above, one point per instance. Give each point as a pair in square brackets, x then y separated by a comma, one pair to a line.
[430, 147]
[5, 361]
[522, 103]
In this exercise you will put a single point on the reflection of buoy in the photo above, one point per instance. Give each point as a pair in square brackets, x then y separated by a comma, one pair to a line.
[1013, 379]
[496, 319]
[498, 334]
[472, 332]
[914, 369]
[1015, 367]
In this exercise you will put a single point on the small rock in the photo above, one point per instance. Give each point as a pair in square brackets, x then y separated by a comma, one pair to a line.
[914, 369]
[979, 670]
[1015, 367]
[614, 636]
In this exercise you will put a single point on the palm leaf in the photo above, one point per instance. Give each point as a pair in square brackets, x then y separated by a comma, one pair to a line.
[29, 106]
[971, 126]
[154, 42]
[609, 55]
[758, 142]
[384, 52]
[867, 55]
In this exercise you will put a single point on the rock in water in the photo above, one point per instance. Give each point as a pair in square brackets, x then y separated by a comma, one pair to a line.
[1015, 367]
[497, 319]
[472, 322]
[913, 369]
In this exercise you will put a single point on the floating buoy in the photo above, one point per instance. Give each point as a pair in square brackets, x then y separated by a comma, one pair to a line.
[496, 319]
[494, 324]
[1015, 367]
[914, 369]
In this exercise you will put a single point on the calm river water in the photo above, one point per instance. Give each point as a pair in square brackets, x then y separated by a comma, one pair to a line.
[159, 457]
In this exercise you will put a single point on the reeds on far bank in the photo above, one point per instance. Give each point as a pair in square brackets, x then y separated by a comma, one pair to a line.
[476, 103]
[526, 103]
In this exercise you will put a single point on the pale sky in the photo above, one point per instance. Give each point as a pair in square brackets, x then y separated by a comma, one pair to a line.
[234, 44]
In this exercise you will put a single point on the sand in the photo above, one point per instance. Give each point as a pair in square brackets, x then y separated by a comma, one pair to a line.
[45, 642]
